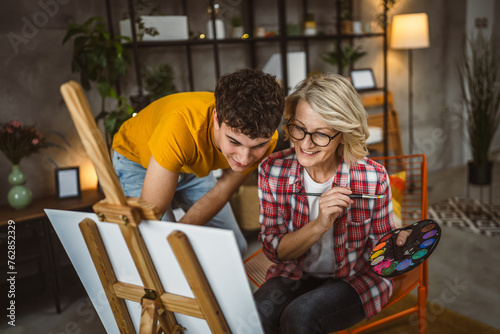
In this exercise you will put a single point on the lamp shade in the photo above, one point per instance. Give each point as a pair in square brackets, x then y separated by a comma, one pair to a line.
[410, 31]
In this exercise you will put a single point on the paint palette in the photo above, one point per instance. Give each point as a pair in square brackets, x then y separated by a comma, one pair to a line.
[389, 260]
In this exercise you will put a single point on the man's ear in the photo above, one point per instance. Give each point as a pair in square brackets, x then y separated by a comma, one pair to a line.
[216, 121]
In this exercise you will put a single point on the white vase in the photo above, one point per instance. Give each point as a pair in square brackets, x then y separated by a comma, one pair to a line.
[219, 28]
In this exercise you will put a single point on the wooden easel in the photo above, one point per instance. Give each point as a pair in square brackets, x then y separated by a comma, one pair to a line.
[157, 305]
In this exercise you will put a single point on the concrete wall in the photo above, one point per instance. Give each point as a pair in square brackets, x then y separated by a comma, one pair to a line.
[34, 63]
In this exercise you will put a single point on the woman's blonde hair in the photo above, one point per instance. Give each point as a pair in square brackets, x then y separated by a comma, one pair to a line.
[334, 100]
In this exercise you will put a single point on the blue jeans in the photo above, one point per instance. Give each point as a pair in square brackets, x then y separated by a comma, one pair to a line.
[189, 190]
[309, 305]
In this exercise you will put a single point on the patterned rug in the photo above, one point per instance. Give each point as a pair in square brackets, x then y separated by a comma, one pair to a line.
[468, 215]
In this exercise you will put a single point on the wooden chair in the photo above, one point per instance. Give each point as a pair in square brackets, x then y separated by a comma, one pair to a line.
[377, 120]
[413, 208]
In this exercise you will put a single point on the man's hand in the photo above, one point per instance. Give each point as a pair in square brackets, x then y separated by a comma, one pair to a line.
[402, 237]
[214, 200]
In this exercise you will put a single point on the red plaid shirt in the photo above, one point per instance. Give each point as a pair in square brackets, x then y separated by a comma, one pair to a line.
[356, 230]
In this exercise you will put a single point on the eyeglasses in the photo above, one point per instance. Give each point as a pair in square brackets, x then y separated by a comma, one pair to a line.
[318, 138]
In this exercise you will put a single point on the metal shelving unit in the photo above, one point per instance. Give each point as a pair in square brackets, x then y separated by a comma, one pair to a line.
[251, 43]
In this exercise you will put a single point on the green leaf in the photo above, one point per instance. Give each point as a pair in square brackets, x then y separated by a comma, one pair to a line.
[112, 93]
[100, 58]
[104, 88]
[72, 30]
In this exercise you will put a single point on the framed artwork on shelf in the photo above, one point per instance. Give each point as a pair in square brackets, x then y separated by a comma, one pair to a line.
[363, 79]
[67, 182]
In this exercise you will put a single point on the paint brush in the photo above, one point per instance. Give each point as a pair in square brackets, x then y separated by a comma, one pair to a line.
[350, 196]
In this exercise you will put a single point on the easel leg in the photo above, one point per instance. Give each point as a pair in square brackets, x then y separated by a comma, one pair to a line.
[106, 274]
[198, 282]
[151, 315]
[145, 267]
[163, 318]
[149, 318]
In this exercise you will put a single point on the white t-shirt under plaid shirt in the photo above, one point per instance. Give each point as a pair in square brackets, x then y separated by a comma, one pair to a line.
[321, 259]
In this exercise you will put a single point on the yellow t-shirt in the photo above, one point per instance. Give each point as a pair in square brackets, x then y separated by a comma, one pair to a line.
[178, 131]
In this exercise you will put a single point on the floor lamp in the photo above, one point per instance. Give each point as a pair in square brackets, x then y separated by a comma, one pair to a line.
[410, 31]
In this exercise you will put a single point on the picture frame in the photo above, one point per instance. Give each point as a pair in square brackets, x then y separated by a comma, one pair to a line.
[67, 182]
[363, 79]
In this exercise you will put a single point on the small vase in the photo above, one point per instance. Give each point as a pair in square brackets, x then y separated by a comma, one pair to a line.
[219, 28]
[19, 195]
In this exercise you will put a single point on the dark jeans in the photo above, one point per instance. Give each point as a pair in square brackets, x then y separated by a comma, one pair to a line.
[309, 305]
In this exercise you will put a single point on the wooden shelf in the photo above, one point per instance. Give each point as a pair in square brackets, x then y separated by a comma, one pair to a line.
[36, 209]
[282, 39]
[277, 38]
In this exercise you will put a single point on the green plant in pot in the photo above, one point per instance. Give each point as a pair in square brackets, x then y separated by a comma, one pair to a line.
[18, 141]
[236, 21]
[236, 26]
[347, 54]
[100, 57]
[479, 71]
[346, 17]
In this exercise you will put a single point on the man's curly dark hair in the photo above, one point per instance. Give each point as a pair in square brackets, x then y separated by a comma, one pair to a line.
[251, 101]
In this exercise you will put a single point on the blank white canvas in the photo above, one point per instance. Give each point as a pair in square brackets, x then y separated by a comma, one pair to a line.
[216, 250]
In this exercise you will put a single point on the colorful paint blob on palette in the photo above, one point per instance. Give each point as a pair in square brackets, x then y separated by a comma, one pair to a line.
[389, 260]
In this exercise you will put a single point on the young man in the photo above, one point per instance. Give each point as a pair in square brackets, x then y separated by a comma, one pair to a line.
[174, 144]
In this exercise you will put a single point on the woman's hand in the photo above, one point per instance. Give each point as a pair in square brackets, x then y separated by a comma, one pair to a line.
[331, 205]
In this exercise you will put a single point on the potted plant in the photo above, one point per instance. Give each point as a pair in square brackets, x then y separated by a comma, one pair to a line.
[18, 141]
[236, 27]
[348, 55]
[99, 57]
[345, 17]
[479, 72]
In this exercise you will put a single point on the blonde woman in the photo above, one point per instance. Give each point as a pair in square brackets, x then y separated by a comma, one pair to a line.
[321, 280]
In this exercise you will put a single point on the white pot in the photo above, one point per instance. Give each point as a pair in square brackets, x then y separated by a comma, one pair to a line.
[174, 27]
[237, 32]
